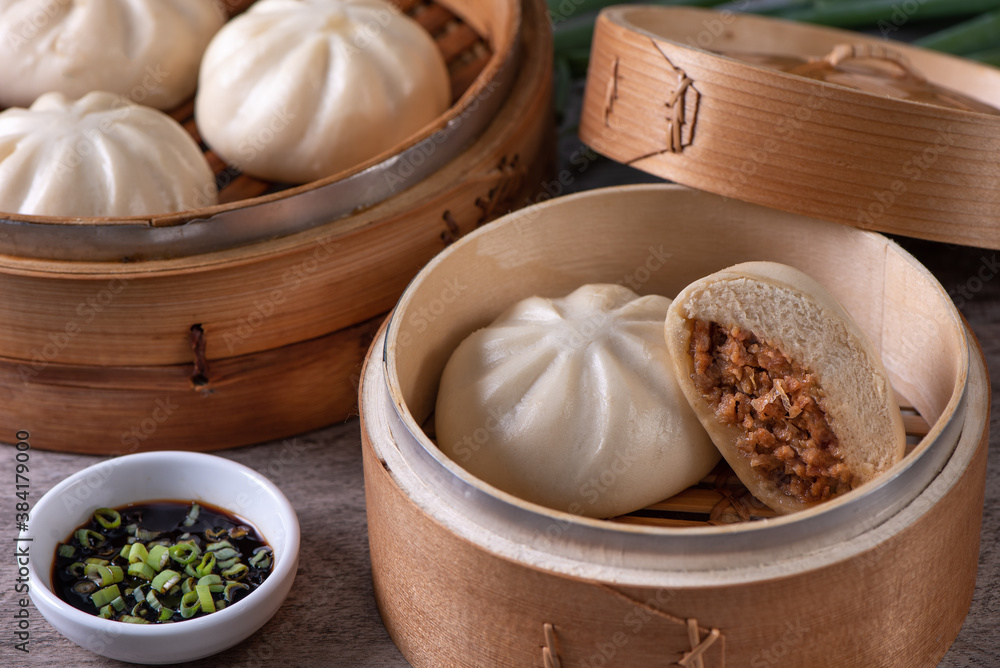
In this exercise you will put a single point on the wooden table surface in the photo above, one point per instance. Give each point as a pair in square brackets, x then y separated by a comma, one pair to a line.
[321, 474]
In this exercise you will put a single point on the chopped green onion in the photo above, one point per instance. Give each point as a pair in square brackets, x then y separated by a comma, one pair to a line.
[220, 545]
[109, 518]
[231, 588]
[146, 536]
[192, 515]
[206, 566]
[226, 553]
[104, 575]
[90, 539]
[228, 563]
[236, 572]
[215, 534]
[153, 602]
[158, 557]
[142, 570]
[165, 579]
[261, 558]
[205, 598]
[132, 619]
[189, 604]
[85, 587]
[185, 553]
[213, 582]
[102, 597]
[160, 576]
[137, 553]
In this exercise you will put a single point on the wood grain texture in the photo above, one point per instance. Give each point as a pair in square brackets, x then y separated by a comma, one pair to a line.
[344, 628]
[897, 597]
[519, 569]
[788, 142]
[85, 335]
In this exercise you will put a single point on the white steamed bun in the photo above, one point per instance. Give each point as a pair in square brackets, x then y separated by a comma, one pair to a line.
[572, 403]
[98, 156]
[297, 90]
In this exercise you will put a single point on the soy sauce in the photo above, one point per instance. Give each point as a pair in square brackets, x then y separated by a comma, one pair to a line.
[166, 518]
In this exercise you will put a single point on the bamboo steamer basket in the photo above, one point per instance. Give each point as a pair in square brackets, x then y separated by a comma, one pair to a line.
[466, 575]
[666, 94]
[249, 321]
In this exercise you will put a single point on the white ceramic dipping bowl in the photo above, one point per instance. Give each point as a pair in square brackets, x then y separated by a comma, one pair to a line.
[151, 476]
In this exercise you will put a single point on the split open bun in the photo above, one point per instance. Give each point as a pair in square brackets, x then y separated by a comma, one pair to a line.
[786, 309]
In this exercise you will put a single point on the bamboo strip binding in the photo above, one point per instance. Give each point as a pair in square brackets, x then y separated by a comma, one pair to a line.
[854, 591]
[284, 324]
[793, 143]
[923, 559]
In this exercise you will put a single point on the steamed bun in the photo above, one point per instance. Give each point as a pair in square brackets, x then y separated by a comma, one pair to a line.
[572, 403]
[319, 86]
[148, 50]
[99, 156]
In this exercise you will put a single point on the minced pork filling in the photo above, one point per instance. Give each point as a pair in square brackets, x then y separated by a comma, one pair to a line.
[785, 431]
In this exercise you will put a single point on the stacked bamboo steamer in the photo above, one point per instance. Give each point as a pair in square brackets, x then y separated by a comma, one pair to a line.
[466, 575]
[249, 320]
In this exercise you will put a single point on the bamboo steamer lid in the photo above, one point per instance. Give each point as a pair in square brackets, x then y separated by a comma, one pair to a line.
[261, 336]
[466, 575]
[685, 94]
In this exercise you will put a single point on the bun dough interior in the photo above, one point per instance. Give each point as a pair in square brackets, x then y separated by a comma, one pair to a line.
[791, 311]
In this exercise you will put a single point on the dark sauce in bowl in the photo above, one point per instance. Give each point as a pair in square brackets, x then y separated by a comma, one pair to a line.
[169, 521]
